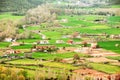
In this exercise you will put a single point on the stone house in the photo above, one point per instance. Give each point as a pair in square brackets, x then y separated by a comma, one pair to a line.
[8, 39]
[11, 51]
[70, 42]
[15, 44]
[59, 41]
[94, 45]
[43, 42]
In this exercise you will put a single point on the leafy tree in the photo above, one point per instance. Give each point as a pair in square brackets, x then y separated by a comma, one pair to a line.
[23, 73]
[13, 76]
[114, 1]
[21, 77]
[18, 5]
[3, 76]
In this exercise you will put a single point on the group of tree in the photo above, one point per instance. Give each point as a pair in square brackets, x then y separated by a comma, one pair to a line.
[41, 14]
[7, 29]
[12, 74]
[44, 74]
[10, 29]
[114, 1]
[21, 6]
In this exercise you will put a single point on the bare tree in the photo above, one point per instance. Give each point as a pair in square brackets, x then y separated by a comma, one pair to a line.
[41, 14]
[7, 29]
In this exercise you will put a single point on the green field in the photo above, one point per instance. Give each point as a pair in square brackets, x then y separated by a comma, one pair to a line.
[44, 63]
[25, 46]
[84, 20]
[110, 45]
[49, 56]
[84, 24]
[115, 6]
[105, 68]
[4, 44]
[114, 57]
[10, 16]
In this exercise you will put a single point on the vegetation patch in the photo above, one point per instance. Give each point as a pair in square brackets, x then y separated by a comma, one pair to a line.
[52, 56]
[114, 57]
[110, 45]
[105, 68]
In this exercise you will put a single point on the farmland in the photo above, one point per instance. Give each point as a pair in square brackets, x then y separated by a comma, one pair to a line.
[59, 47]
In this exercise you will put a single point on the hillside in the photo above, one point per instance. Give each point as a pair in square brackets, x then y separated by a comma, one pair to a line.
[18, 5]
[23, 5]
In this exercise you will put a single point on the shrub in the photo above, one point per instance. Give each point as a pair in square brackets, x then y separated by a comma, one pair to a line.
[21, 77]
[57, 59]
[76, 57]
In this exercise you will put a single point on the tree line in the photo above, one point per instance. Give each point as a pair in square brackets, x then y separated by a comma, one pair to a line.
[23, 5]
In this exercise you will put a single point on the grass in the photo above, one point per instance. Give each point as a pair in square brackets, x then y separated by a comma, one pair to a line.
[97, 30]
[4, 44]
[114, 57]
[10, 16]
[99, 27]
[60, 65]
[33, 28]
[105, 68]
[52, 56]
[24, 61]
[28, 40]
[25, 46]
[115, 6]
[114, 18]
[110, 45]
[85, 20]
[60, 45]
[78, 23]
[52, 34]
[46, 64]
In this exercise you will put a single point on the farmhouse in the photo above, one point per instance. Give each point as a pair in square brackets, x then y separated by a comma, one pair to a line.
[115, 36]
[11, 51]
[45, 48]
[43, 42]
[60, 41]
[8, 39]
[94, 45]
[70, 42]
[15, 44]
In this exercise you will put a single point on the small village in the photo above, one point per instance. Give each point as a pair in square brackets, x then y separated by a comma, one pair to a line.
[89, 48]
[60, 40]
